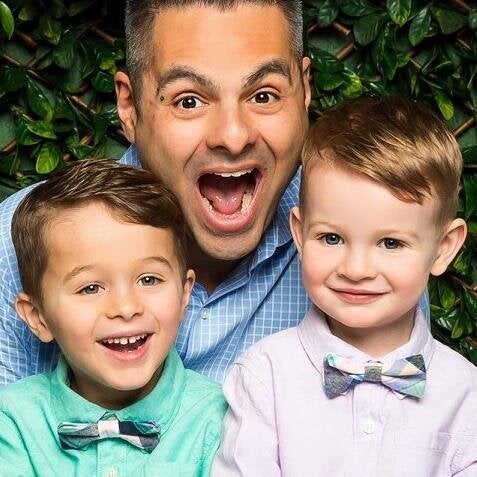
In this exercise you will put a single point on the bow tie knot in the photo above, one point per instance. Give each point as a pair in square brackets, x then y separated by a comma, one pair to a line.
[406, 376]
[78, 435]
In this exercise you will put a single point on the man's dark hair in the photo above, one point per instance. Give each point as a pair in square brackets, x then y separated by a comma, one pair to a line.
[131, 194]
[139, 23]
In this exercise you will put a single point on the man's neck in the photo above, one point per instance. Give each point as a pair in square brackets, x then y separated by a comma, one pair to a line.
[209, 271]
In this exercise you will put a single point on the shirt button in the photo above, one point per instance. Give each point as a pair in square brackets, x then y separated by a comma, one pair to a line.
[369, 427]
[111, 472]
[205, 314]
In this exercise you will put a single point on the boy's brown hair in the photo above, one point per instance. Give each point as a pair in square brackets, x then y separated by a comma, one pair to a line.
[131, 194]
[393, 141]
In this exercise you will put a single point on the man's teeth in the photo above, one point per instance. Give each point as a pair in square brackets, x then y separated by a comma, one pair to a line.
[125, 341]
[246, 199]
[233, 174]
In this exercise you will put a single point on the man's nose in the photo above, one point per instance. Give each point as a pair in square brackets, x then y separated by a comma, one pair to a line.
[124, 304]
[232, 130]
[357, 265]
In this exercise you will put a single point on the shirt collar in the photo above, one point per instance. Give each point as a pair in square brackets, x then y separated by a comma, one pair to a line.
[317, 340]
[278, 232]
[160, 405]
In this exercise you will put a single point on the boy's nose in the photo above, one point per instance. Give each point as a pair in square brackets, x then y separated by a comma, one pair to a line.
[125, 305]
[356, 266]
[230, 130]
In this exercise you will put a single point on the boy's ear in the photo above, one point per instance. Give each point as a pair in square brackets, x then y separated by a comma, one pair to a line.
[451, 242]
[33, 317]
[188, 285]
[296, 227]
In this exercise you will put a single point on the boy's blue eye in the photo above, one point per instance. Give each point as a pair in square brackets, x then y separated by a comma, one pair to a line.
[332, 239]
[391, 244]
[90, 289]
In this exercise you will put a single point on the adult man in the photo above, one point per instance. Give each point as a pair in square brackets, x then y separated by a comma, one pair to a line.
[216, 104]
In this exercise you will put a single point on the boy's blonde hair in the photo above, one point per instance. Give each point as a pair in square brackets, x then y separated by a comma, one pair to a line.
[393, 141]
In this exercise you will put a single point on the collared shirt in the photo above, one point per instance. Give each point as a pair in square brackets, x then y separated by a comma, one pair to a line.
[281, 423]
[263, 295]
[188, 408]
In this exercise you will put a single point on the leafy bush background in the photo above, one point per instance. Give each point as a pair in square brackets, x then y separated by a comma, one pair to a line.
[58, 58]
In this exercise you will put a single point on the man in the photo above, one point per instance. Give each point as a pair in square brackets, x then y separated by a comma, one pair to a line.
[215, 102]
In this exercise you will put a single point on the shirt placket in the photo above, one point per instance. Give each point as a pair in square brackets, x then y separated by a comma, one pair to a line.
[111, 459]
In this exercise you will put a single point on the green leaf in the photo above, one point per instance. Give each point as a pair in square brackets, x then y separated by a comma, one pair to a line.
[473, 19]
[329, 81]
[353, 84]
[12, 78]
[459, 327]
[38, 102]
[102, 82]
[449, 20]
[327, 13]
[385, 57]
[469, 154]
[64, 53]
[444, 103]
[57, 8]
[78, 7]
[6, 20]
[470, 300]
[325, 62]
[470, 194]
[48, 158]
[366, 29]
[29, 11]
[399, 10]
[42, 129]
[419, 26]
[447, 295]
[49, 28]
[357, 8]
[23, 135]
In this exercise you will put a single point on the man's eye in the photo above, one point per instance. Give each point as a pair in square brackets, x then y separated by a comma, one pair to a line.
[149, 281]
[391, 244]
[332, 239]
[264, 97]
[91, 289]
[189, 102]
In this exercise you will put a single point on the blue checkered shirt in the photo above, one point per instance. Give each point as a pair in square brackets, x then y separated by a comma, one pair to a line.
[263, 295]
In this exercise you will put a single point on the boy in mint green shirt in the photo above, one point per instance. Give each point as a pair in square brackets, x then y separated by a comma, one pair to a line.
[101, 254]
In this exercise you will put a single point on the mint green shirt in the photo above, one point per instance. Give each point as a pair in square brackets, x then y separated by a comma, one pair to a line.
[188, 407]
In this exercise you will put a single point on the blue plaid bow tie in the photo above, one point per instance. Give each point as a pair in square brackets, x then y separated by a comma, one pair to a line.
[406, 376]
[76, 435]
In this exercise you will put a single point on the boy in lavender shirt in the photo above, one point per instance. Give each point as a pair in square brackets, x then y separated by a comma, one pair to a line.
[360, 387]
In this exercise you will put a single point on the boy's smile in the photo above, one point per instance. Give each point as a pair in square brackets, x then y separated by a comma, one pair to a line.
[113, 298]
[366, 255]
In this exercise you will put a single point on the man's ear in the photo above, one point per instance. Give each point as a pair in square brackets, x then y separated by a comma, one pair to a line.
[306, 66]
[451, 242]
[126, 105]
[188, 285]
[296, 227]
[33, 317]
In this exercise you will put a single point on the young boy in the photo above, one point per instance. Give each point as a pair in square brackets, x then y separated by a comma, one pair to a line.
[101, 256]
[360, 387]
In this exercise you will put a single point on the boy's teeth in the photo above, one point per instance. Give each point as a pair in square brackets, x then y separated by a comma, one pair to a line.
[124, 341]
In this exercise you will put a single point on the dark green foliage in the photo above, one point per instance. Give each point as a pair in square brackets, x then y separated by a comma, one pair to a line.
[57, 98]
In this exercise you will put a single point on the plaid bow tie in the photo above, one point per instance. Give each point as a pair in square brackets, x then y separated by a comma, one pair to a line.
[77, 435]
[406, 376]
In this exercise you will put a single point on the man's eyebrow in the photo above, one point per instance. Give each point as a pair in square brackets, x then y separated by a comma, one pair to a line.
[276, 66]
[179, 72]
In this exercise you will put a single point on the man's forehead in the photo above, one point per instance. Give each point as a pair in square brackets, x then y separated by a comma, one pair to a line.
[190, 34]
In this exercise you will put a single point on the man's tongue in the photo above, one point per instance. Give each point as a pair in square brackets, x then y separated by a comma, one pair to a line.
[224, 193]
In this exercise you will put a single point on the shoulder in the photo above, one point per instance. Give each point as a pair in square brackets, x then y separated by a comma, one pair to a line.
[457, 371]
[25, 394]
[201, 391]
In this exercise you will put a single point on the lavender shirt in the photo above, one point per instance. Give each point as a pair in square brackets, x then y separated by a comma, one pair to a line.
[280, 422]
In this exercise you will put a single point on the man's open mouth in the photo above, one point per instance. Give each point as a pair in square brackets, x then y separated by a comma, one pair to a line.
[125, 344]
[229, 194]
